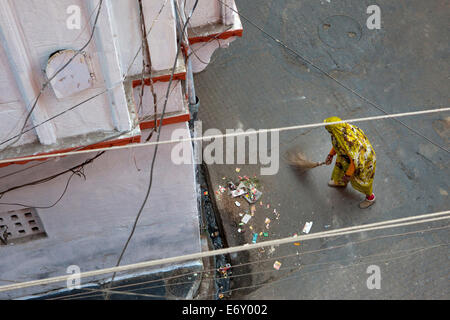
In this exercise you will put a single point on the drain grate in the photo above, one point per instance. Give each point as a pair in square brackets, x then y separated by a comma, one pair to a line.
[20, 226]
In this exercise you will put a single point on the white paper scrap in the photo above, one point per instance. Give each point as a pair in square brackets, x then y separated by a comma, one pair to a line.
[246, 218]
[307, 227]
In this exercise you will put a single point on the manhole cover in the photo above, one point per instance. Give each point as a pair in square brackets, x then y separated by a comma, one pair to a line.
[339, 31]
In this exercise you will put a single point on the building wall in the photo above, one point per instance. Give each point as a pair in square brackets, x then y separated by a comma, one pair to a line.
[12, 107]
[31, 31]
[207, 12]
[175, 101]
[160, 25]
[91, 223]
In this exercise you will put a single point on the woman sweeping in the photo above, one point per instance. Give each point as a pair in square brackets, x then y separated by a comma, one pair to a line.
[355, 162]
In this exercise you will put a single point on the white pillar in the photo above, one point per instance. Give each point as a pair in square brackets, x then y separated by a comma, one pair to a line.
[162, 39]
[21, 65]
[227, 13]
[108, 52]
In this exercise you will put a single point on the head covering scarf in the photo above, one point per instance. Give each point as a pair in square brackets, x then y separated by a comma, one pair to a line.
[350, 142]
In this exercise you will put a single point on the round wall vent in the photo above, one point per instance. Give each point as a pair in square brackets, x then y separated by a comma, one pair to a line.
[74, 78]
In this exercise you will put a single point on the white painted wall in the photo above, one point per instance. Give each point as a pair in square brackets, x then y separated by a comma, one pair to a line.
[161, 34]
[92, 222]
[162, 39]
[32, 31]
[175, 102]
[207, 12]
[43, 26]
[90, 225]
[127, 27]
[12, 108]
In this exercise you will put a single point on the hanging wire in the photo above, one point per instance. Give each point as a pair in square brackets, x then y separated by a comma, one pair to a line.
[296, 53]
[44, 86]
[259, 261]
[155, 151]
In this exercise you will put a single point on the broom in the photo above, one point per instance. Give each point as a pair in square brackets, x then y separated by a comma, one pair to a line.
[298, 160]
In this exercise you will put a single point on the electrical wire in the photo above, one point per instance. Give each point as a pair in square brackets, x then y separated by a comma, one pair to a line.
[79, 35]
[259, 261]
[44, 86]
[133, 62]
[76, 171]
[374, 118]
[145, 48]
[194, 52]
[331, 76]
[87, 24]
[297, 255]
[298, 268]
[51, 118]
[265, 271]
[17, 137]
[24, 169]
[228, 135]
[54, 176]
[75, 150]
[332, 269]
[87, 100]
[148, 33]
[166, 99]
[158, 142]
[154, 153]
[143, 119]
[395, 223]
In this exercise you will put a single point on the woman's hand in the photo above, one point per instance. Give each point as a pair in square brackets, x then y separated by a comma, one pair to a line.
[346, 179]
[329, 159]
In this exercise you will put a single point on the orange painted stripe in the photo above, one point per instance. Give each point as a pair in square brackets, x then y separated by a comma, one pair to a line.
[106, 144]
[164, 78]
[176, 119]
[184, 49]
[223, 36]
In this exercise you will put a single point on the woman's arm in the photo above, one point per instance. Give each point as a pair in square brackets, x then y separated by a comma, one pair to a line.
[351, 168]
[350, 171]
[330, 156]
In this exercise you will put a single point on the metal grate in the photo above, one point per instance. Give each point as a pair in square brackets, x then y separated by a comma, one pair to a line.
[20, 226]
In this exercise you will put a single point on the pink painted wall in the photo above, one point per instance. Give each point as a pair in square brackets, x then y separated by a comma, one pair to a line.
[90, 225]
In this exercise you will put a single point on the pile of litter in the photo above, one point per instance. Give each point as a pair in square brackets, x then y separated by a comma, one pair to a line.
[248, 188]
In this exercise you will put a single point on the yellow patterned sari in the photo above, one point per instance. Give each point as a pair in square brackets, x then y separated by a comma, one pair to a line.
[350, 143]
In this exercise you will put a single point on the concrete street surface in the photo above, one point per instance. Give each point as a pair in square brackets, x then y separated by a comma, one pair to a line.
[256, 83]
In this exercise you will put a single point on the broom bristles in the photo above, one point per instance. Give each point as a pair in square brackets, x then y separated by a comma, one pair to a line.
[299, 160]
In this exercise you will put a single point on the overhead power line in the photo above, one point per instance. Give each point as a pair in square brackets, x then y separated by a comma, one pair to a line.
[272, 37]
[395, 223]
[156, 148]
[236, 134]
[295, 52]
[95, 292]
[257, 261]
[301, 274]
[44, 86]
[23, 131]
[76, 170]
